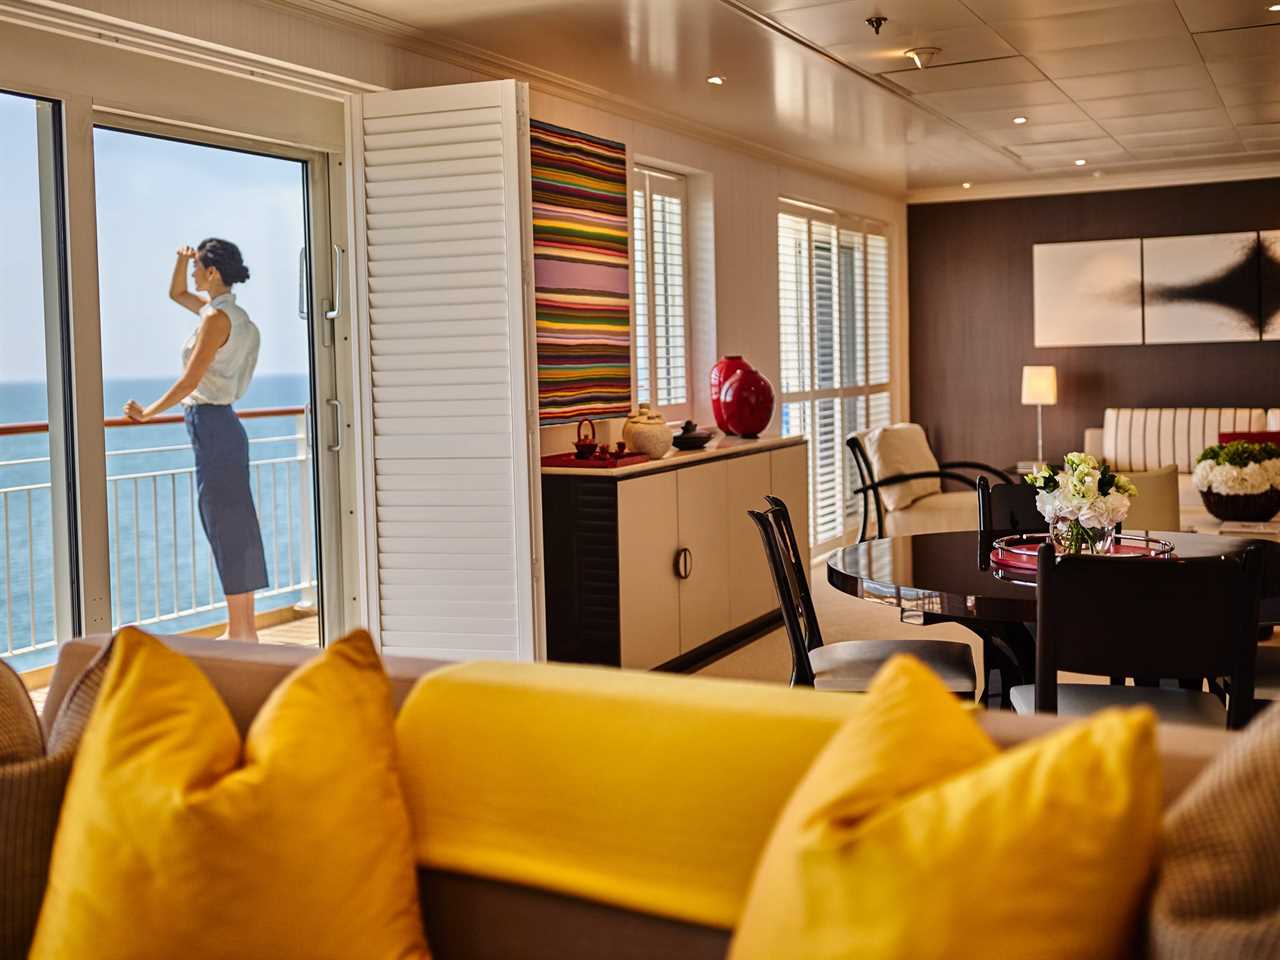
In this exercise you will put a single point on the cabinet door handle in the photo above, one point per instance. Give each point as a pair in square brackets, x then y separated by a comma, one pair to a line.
[684, 563]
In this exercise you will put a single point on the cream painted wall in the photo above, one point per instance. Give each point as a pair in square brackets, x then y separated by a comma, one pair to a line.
[745, 187]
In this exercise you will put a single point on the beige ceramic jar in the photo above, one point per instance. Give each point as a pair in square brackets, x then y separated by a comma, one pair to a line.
[646, 432]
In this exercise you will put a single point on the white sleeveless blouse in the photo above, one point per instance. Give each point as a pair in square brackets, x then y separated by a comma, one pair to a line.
[229, 374]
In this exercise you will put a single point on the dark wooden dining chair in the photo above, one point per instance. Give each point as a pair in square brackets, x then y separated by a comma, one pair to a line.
[1155, 618]
[848, 665]
[869, 485]
[1008, 508]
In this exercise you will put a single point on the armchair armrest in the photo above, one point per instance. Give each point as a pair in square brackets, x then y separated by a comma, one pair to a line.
[975, 465]
[921, 475]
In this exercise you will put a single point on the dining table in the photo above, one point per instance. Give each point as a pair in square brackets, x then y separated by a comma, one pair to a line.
[951, 578]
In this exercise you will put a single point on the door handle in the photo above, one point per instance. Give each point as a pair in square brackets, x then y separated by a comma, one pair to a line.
[683, 564]
[337, 425]
[332, 314]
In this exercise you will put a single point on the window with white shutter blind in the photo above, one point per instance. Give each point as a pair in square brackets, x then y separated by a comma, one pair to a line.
[448, 418]
[833, 324]
[659, 279]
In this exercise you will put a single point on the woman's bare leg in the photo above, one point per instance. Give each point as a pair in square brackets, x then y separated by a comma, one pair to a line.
[240, 619]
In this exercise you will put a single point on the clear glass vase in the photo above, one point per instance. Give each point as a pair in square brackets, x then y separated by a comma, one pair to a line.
[1071, 536]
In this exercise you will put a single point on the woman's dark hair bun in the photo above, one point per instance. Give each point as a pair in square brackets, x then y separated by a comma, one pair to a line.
[224, 255]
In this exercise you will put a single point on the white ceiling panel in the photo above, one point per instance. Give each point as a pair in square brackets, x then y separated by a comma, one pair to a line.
[1173, 102]
[910, 21]
[1096, 78]
[1187, 120]
[1088, 149]
[1260, 131]
[1247, 93]
[1233, 73]
[1132, 83]
[1205, 15]
[1174, 138]
[965, 76]
[1117, 57]
[1068, 165]
[1003, 119]
[1042, 132]
[1094, 28]
[885, 53]
[1220, 149]
[1240, 44]
[1008, 96]
[1255, 113]
[994, 11]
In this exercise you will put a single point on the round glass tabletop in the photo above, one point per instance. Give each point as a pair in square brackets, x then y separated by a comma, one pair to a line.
[949, 575]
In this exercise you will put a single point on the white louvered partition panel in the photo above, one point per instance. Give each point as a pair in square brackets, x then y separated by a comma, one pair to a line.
[833, 325]
[441, 221]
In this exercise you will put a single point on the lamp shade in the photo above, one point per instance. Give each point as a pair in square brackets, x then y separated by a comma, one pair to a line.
[1039, 386]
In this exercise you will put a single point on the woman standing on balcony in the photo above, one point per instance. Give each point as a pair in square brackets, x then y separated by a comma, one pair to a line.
[218, 362]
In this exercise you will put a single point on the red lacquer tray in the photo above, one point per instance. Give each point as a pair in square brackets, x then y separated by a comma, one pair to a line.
[591, 463]
[1019, 552]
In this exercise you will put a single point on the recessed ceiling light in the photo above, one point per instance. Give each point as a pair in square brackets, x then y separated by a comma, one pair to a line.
[966, 184]
[1019, 119]
[716, 80]
[1081, 163]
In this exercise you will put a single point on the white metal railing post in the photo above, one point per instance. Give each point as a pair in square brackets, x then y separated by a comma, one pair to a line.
[307, 603]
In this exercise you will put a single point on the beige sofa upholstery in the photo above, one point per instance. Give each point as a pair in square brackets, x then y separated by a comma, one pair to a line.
[476, 918]
[1139, 439]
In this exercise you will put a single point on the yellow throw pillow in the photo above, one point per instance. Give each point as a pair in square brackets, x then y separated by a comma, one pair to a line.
[172, 843]
[912, 836]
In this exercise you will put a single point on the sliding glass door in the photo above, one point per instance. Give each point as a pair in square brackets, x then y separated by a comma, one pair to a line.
[218, 496]
[38, 602]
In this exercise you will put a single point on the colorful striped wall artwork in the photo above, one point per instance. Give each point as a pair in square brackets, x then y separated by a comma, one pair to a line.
[580, 257]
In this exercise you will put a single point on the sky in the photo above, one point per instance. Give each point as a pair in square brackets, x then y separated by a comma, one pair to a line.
[153, 196]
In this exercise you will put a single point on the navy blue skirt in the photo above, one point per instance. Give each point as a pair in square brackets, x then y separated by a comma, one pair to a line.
[226, 500]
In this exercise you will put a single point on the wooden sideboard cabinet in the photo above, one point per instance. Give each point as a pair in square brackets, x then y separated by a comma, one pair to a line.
[659, 562]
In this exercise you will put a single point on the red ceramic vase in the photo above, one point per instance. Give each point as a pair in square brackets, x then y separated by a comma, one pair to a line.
[725, 368]
[747, 401]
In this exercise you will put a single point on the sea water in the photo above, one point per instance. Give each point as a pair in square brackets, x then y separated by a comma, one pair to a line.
[31, 559]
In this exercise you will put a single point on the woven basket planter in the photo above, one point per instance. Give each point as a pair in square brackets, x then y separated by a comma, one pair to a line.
[1246, 508]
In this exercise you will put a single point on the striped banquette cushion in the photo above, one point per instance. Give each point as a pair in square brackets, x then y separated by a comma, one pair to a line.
[1146, 438]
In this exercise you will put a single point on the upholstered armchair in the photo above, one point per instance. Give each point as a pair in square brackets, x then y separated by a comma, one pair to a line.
[901, 480]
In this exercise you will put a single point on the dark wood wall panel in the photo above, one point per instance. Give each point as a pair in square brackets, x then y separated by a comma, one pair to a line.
[972, 318]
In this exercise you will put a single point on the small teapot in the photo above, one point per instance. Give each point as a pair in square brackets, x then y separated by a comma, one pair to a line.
[585, 446]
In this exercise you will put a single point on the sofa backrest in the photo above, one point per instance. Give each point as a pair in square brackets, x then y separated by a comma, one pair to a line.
[1146, 438]
[468, 915]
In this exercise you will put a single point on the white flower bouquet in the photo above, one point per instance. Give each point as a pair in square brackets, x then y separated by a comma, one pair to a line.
[1239, 480]
[1083, 503]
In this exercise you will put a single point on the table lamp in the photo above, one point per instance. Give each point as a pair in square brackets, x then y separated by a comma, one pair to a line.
[1039, 389]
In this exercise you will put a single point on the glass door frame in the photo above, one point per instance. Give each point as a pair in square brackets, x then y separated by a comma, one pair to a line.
[51, 160]
[327, 402]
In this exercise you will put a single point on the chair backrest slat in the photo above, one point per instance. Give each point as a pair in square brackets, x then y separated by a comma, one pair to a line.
[791, 583]
[1008, 508]
[1149, 618]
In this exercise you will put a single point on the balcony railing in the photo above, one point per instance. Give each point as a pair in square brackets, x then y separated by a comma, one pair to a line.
[162, 570]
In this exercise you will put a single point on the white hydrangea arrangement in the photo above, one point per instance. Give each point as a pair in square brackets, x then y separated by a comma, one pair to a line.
[1239, 468]
[1083, 502]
